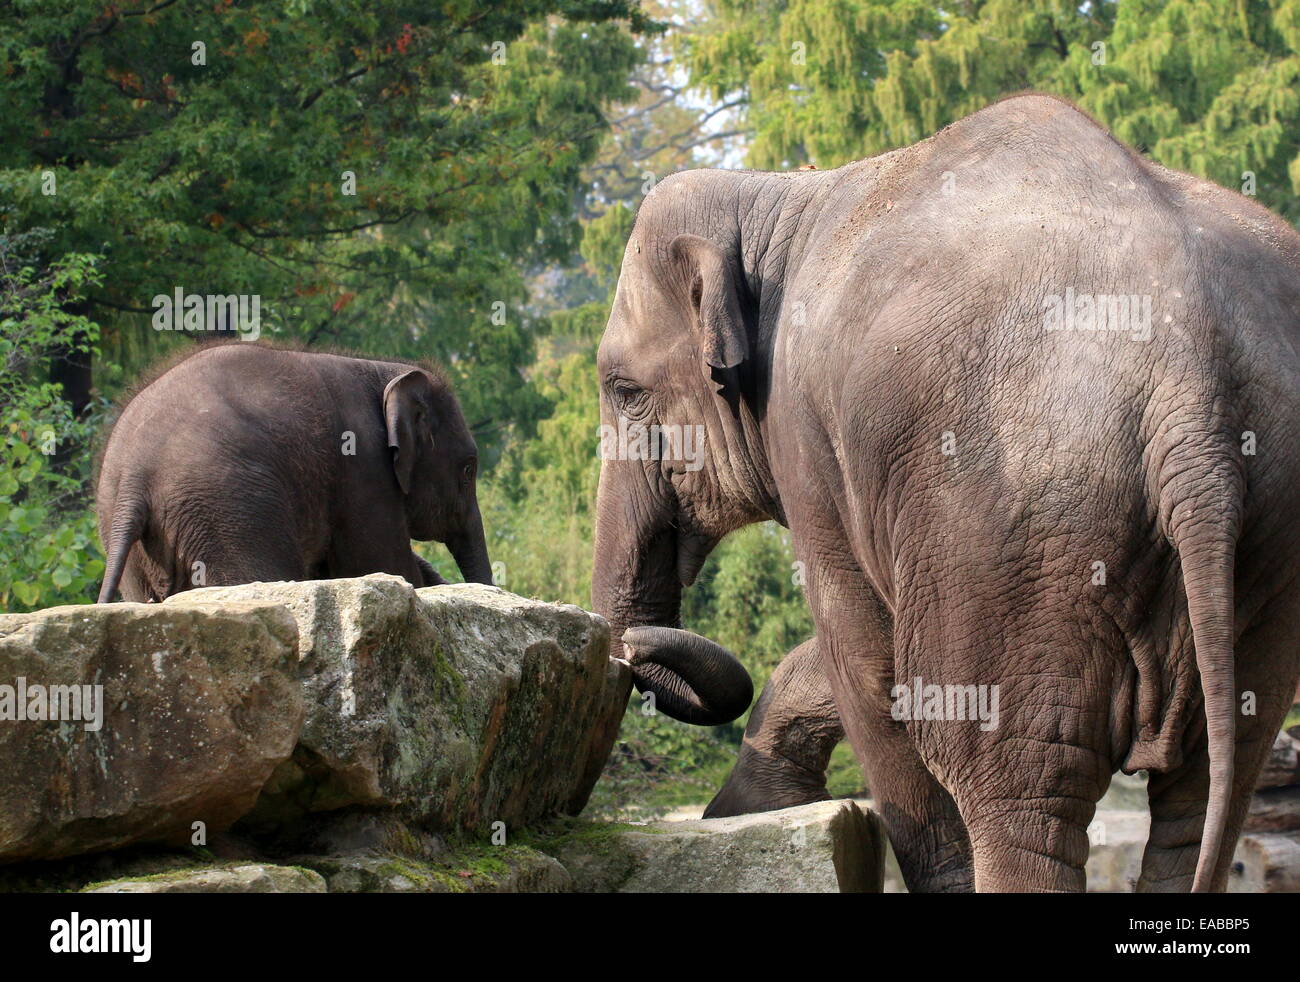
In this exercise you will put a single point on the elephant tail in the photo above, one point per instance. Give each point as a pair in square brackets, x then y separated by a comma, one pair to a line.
[128, 525]
[1204, 520]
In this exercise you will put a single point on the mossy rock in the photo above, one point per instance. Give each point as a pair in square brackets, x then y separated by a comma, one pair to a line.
[469, 869]
[444, 705]
[825, 847]
[74, 874]
[224, 878]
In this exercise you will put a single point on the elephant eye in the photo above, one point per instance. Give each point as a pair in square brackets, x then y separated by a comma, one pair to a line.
[630, 399]
[468, 471]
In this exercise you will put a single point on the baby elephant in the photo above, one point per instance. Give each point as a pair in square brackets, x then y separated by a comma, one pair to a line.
[247, 462]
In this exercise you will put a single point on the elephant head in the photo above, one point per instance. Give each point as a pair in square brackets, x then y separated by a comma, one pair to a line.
[435, 461]
[682, 458]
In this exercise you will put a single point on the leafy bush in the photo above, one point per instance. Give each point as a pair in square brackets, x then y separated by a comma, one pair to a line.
[49, 550]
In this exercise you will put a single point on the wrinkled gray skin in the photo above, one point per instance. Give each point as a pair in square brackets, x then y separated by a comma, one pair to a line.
[788, 741]
[235, 458]
[653, 653]
[868, 352]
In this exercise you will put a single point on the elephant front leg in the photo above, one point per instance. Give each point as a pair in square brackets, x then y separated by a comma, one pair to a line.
[788, 741]
[428, 574]
[926, 831]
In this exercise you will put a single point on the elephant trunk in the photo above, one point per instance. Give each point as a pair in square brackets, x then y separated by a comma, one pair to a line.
[636, 588]
[664, 658]
[469, 549]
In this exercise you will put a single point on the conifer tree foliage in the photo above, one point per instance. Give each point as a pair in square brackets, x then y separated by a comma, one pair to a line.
[1207, 86]
[376, 171]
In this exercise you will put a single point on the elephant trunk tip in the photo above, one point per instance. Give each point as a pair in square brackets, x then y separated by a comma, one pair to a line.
[692, 679]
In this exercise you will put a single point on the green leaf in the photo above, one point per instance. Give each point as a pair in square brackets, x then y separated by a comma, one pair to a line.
[27, 593]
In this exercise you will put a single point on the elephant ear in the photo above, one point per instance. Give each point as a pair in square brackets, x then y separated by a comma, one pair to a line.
[406, 415]
[715, 302]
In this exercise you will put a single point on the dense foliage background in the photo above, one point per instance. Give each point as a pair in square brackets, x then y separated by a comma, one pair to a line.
[495, 154]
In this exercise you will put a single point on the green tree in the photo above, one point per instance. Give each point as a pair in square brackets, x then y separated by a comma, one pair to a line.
[48, 548]
[1207, 86]
[538, 503]
[750, 598]
[377, 172]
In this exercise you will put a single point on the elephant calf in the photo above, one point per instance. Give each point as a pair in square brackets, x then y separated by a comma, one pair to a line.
[247, 462]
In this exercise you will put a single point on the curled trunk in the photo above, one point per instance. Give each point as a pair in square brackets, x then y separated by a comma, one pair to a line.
[636, 587]
[693, 679]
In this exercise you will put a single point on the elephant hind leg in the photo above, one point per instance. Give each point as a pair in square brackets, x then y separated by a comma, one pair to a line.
[1022, 743]
[1029, 795]
[1177, 802]
[1266, 672]
[1025, 847]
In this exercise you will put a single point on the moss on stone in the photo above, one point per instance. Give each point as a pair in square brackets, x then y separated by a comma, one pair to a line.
[485, 861]
[471, 866]
[165, 876]
[564, 833]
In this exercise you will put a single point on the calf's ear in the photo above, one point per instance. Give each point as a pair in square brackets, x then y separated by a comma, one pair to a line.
[407, 401]
[715, 303]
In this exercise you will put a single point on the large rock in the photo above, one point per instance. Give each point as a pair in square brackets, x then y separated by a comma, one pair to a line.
[1266, 862]
[1282, 768]
[1274, 810]
[825, 847]
[459, 706]
[200, 704]
[76, 872]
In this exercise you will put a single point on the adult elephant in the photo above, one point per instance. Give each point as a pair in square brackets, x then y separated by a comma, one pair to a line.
[247, 462]
[1028, 406]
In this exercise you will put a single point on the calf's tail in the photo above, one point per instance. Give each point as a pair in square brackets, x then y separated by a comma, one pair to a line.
[127, 527]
